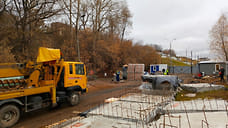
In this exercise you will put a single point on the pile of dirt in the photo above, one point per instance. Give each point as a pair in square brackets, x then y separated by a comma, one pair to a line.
[189, 79]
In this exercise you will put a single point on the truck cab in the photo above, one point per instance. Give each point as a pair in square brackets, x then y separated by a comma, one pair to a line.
[75, 75]
[72, 81]
[49, 82]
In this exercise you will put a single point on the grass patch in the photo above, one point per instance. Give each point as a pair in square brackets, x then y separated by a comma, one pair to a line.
[174, 62]
[215, 94]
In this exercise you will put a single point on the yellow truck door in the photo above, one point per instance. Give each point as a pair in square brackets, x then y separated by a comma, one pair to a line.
[80, 74]
[69, 79]
[76, 75]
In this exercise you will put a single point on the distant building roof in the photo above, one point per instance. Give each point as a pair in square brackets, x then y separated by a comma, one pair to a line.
[211, 62]
[204, 59]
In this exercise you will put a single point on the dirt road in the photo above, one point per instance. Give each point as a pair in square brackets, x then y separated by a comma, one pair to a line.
[99, 90]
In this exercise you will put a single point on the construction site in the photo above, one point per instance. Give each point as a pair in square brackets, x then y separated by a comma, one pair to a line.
[113, 64]
[138, 106]
[130, 104]
[56, 94]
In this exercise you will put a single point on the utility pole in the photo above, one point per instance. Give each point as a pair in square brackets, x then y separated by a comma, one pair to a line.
[71, 31]
[170, 58]
[186, 56]
[170, 61]
[191, 62]
[76, 29]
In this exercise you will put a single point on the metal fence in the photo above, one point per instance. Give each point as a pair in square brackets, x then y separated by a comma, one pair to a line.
[183, 69]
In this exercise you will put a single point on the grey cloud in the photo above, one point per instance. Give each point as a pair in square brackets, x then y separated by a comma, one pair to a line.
[189, 21]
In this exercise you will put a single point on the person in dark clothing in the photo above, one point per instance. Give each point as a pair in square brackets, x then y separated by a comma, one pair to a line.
[117, 76]
[221, 74]
[163, 71]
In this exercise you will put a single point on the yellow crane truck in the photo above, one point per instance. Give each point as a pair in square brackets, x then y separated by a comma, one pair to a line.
[31, 86]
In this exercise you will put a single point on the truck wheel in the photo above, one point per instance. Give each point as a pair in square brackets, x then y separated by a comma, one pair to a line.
[74, 98]
[9, 115]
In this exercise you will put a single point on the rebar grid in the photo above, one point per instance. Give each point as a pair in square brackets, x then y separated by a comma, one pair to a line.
[161, 124]
[204, 122]
[139, 117]
[205, 117]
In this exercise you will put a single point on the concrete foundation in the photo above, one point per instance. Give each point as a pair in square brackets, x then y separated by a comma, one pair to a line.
[194, 120]
[197, 106]
[132, 110]
[133, 107]
[195, 114]
[137, 110]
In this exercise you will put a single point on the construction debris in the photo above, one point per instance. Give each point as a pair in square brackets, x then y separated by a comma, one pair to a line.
[201, 87]
[162, 81]
[190, 95]
[109, 100]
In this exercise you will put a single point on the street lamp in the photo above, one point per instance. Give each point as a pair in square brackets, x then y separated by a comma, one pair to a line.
[78, 40]
[170, 58]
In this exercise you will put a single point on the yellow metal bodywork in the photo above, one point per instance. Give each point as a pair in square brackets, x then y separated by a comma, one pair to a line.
[71, 78]
[48, 54]
[25, 92]
[9, 70]
[44, 76]
[16, 69]
[34, 79]
[49, 80]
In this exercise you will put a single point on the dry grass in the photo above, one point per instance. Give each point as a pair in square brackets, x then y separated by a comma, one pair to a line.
[215, 94]
[174, 62]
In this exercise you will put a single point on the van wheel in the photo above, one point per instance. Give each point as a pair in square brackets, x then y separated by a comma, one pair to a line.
[9, 116]
[74, 98]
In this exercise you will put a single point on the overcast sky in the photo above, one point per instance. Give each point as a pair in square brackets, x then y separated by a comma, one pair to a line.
[187, 21]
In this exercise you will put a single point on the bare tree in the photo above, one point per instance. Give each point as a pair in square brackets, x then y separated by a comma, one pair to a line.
[219, 38]
[125, 19]
[157, 47]
[85, 14]
[169, 51]
[29, 16]
[2, 6]
[100, 13]
[77, 12]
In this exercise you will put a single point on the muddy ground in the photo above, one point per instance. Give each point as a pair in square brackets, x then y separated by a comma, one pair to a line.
[99, 90]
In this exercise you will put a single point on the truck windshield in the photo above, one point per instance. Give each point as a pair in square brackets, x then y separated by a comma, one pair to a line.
[79, 69]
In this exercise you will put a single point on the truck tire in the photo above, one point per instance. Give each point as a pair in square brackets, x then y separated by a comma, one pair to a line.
[9, 116]
[74, 98]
